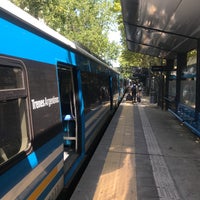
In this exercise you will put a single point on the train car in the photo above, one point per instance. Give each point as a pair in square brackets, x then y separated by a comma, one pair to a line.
[54, 99]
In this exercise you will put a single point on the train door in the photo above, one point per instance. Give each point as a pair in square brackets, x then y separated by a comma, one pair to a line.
[68, 107]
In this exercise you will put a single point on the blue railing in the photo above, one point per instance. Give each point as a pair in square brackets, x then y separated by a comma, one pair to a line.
[188, 117]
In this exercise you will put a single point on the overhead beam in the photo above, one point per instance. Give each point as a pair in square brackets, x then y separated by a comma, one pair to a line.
[152, 46]
[160, 31]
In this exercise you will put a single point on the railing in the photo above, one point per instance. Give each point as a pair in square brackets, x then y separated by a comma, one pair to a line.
[170, 103]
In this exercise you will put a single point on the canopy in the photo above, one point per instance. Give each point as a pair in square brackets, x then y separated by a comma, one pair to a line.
[161, 28]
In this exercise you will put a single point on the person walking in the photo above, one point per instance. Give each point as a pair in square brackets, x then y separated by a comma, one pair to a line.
[134, 92]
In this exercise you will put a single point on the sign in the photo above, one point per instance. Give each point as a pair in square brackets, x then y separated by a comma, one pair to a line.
[161, 68]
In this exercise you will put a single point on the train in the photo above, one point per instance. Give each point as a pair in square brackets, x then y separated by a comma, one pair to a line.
[55, 97]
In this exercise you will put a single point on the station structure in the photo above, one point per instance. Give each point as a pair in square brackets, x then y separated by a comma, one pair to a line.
[169, 30]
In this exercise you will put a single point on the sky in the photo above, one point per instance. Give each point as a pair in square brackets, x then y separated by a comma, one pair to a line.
[114, 36]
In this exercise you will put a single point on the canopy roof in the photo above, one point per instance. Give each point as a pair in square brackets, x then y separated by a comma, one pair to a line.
[161, 28]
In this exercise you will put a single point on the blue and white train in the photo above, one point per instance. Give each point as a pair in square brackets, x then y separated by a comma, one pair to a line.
[54, 99]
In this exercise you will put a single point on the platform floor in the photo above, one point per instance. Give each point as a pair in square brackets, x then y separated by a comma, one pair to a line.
[145, 154]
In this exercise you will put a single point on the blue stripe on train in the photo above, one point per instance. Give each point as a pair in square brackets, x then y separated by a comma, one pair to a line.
[27, 45]
[81, 112]
[73, 168]
[45, 173]
[51, 185]
[19, 171]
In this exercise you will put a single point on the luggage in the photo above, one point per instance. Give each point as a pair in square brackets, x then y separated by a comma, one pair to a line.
[129, 97]
[138, 99]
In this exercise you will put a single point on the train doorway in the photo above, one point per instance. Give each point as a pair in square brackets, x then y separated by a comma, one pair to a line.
[68, 108]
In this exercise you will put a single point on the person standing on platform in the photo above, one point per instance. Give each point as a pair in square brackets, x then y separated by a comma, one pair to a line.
[139, 94]
[134, 92]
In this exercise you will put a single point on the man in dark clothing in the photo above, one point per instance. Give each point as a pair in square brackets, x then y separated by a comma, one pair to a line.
[134, 92]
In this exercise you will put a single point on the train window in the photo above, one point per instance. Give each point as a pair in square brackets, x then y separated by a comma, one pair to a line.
[10, 78]
[13, 113]
[95, 90]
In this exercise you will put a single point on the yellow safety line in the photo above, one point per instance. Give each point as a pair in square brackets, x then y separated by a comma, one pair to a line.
[43, 184]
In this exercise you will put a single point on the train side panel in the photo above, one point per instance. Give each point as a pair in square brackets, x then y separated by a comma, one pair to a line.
[32, 151]
[36, 70]
[36, 171]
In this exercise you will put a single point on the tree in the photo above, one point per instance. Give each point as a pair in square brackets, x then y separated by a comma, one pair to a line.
[86, 22]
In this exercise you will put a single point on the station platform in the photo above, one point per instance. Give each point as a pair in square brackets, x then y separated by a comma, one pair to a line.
[145, 154]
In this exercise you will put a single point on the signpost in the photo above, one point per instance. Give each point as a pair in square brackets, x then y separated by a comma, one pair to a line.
[161, 69]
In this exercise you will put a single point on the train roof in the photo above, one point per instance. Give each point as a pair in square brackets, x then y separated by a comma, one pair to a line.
[161, 28]
[17, 13]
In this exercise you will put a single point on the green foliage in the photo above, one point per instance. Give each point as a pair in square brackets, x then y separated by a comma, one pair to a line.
[127, 58]
[86, 22]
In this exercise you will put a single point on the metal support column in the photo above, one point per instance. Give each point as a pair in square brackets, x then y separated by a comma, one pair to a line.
[170, 65]
[181, 62]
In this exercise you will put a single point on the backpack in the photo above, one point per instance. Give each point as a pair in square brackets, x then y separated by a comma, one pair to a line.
[133, 89]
